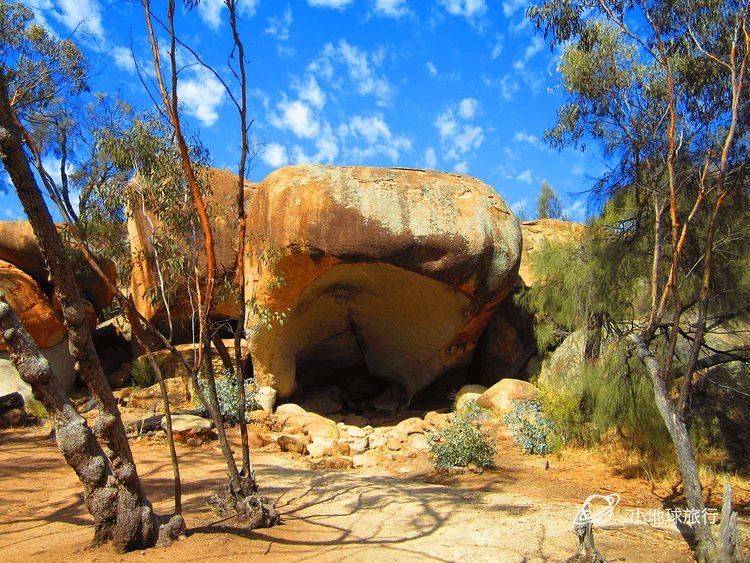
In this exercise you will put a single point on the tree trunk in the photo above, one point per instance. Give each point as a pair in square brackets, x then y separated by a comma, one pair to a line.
[119, 509]
[113, 490]
[684, 448]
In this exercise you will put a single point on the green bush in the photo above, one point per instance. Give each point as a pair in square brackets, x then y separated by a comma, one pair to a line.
[459, 444]
[142, 374]
[532, 429]
[36, 409]
[228, 394]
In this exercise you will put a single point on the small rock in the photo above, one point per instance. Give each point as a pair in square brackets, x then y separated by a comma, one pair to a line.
[294, 444]
[411, 426]
[266, 398]
[289, 408]
[334, 463]
[358, 446]
[418, 442]
[393, 443]
[186, 426]
[343, 448]
[356, 420]
[321, 450]
[376, 442]
[353, 431]
[194, 441]
[254, 439]
[259, 417]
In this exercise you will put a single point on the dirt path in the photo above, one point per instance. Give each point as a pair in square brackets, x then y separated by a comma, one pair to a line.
[519, 512]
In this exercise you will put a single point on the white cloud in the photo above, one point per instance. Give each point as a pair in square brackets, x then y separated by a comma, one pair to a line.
[372, 128]
[430, 159]
[533, 140]
[461, 167]
[467, 108]
[525, 176]
[84, 15]
[510, 7]
[274, 155]
[498, 48]
[279, 27]
[508, 87]
[466, 8]
[375, 132]
[391, 8]
[458, 139]
[123, 59]
[202, 95]
[431, 68]
[14, 215]
[310, 91]
[578, 170]
[360, 67]
[536, 45]
[210, 11]
[296, 117]
[326, 145]
[337, 4]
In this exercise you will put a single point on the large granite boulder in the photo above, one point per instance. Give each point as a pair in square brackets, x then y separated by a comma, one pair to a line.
[18, 247]
[35, 311]
[535, 233]
[222, 206]
[393, 270]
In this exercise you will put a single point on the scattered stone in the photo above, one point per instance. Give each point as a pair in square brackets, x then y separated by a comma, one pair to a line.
[376, 441]
[418, 442]
[411, 426]
[468, 394]
[356, 420]
[254, 439]
[289, 409]
[500, 396]
[321, 449]
[358, 446]
[394, 443]
[438, 419]
[186, 426]
[353, 431]
[294, 444]
[266, 398]
[333, 463]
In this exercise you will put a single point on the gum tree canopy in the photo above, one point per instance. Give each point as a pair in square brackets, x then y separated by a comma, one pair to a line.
[660, 87]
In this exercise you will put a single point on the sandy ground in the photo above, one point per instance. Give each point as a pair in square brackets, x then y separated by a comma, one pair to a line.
[518, 512]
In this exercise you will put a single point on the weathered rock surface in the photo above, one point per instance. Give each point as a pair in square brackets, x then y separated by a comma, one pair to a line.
[60, 360]
[395, 270]
[499, 398]
[535, 233]
[223, 205]
[18, 247]
[45, 325]
[188, 426]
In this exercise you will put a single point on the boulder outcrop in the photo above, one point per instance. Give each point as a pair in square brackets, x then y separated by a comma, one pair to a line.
[36, 312]
[393, 270]
[553, 231]
[222, 205]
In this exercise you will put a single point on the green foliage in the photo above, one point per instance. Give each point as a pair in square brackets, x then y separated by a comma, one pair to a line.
[532, 428]
[142, 374]
[459, 444]
[36, 409]
[571, 418]
[228, 396]
[548, 205]
[471, 411]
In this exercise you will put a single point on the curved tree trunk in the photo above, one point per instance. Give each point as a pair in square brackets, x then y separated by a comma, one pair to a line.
[113, 490]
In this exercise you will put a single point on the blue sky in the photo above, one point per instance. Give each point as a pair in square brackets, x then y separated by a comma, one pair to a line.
[454, 85]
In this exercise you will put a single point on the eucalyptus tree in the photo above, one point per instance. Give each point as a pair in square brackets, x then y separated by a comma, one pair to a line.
[660, 87]
[35, 69]
[549, 206]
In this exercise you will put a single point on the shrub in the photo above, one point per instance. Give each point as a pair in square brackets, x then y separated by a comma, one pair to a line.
[459, 444]
[532, 429]
[36, 409]
[228, 395]
[142, 374]
[471, 411]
